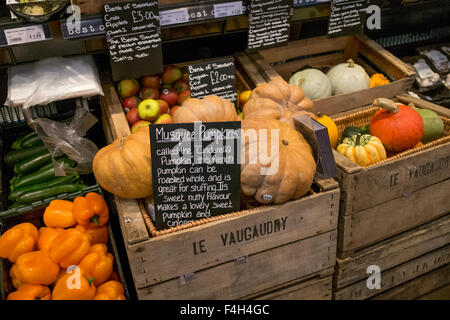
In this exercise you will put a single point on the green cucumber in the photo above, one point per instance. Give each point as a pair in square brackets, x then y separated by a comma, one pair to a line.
[40, 176]
[17, 156]
[51, 183]
[33, 163]
[17, 144]
[33, 196]
[33, 141]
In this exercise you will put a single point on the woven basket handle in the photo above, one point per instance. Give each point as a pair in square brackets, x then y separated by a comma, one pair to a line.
[386, 104]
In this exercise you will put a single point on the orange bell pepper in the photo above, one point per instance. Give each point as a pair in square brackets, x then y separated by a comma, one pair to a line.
[90, 211]
[36, 267]
[114, 276]
[30, 292]
[98, 263]
[46, 237]
[70, 247]
[59, 214]
[20, 239]
[77, 285]
[111, 290]
[99, 235]
[14, 275]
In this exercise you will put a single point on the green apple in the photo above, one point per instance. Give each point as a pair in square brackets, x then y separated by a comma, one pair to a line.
[149, 110]
[163, 119]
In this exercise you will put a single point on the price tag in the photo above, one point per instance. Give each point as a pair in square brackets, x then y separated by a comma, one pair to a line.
[175, 16]
[24, 34]
[228, 9]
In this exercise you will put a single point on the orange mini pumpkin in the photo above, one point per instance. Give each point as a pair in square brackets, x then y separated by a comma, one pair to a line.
[399, 127]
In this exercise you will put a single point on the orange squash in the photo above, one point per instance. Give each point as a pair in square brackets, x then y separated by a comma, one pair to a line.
[399, 127]
[284, 170]
[124, 167]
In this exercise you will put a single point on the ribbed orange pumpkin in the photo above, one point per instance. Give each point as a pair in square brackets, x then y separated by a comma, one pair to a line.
[124, 167]
[399, 127]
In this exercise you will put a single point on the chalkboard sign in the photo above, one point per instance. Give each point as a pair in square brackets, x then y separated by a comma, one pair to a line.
[132, 33]
[196, 171]
[270, 22]
[216, 77]
[347, 17]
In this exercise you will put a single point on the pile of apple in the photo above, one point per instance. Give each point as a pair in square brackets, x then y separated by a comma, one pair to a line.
[154, 99]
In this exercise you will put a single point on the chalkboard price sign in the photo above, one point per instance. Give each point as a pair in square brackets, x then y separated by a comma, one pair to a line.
[213, 77]
[195, 171]
[134, 43]
[270, 22]
[347, 17]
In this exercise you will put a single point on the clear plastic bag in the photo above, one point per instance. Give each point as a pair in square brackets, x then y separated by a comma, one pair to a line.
[52, 79]
[67, 138]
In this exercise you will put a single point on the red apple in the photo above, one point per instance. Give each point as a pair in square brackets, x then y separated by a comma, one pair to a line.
[183, 96]
[163, 119]
[180, 86]
[151, 81]
[128, 88]
[130, 103]
[149, 93]
[173, 109]
[164, 106]
[138, 125]
[133, 116]
[149, 110]
[169, 95]
[171, 74]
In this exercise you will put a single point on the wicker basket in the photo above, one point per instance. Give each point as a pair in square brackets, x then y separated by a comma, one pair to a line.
[363, 117]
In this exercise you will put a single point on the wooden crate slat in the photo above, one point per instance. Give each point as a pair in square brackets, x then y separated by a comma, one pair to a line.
[439, 294]
[421, 287]
[394, 251]
[158, 259]
[304, 47]
[397, 275]
[317, 286]
[233, 280]
[390, 218]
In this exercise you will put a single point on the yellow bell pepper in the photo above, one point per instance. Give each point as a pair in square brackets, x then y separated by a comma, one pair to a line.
[46, 237]
[36, 267]
[90, 211]
[77, 285]
[99, 235]
[20, 239]
[98, 263]
[59, 214]
[111, 290]
[70, 247]
[30, 292]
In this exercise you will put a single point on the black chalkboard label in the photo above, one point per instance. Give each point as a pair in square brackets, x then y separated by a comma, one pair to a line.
[132, 33]
[347, 17]
[196, 171]
[213, 77]
[270, 22]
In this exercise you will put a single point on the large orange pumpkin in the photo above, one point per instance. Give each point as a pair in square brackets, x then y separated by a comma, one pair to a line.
[209, 109]
[291, 160]
[399, 127]
[124, 167]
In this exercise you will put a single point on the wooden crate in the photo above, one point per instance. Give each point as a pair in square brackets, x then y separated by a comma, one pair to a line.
[96, 6]
[403, 192]
[166, 266]
[402, 258]
[322, 52]
[317, 286]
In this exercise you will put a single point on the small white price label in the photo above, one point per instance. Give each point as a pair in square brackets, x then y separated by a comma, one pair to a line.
[175, 16]
[228, 9]
[24, 34]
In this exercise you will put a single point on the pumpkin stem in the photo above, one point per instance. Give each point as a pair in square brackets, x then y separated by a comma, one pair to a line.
[286, 143]
[358, 139]
[386, 104]
[319, 114]
[351, 63]
[411, 105]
